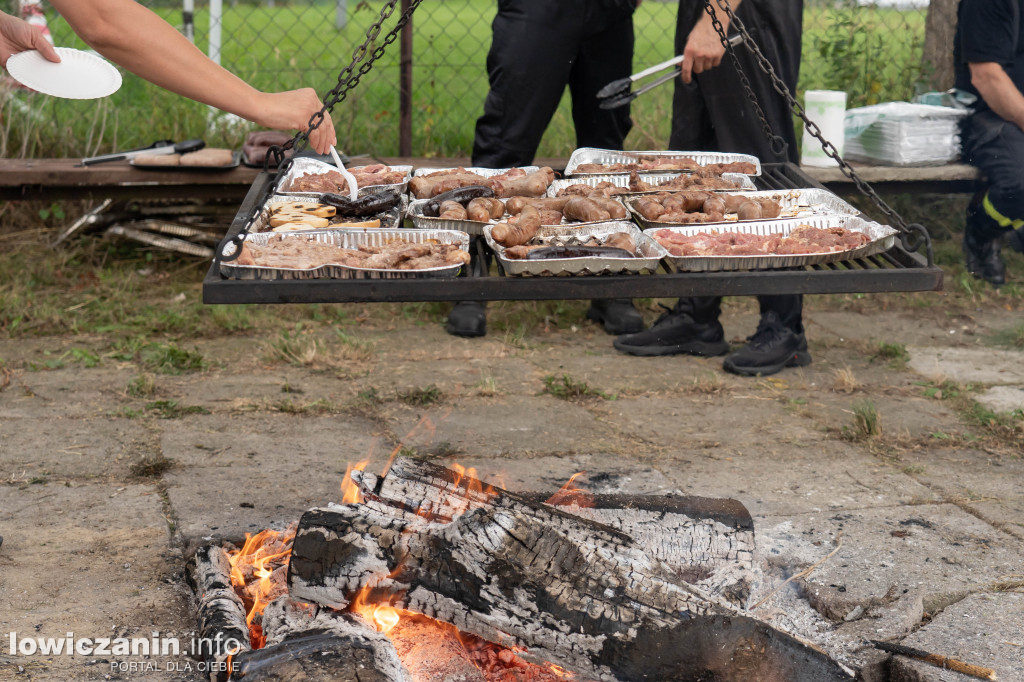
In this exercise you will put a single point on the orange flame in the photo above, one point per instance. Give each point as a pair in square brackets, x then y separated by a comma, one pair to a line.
[349, 490]
[570, 494]
[253, 569]
[382, 616]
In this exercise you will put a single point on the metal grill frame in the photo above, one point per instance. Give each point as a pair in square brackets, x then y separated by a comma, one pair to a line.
[894, 270]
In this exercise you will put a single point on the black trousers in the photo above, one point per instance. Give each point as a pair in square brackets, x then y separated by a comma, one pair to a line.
[714, 113]
[996, 146]
[539, 47]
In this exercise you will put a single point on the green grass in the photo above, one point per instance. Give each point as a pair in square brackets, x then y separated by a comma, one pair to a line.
[872, 53]
[566, 388]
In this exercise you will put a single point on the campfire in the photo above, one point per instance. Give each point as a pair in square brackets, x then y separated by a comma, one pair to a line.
[426, 573]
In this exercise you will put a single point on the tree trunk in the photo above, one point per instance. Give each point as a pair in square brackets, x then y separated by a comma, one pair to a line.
[939, 30]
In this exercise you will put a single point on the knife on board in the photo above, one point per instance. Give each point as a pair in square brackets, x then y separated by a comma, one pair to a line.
[160, 147]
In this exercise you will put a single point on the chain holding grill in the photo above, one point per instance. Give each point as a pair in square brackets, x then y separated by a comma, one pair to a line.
[349, 77]
[912, 236]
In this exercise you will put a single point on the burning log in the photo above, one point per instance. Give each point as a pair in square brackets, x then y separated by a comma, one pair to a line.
[553, 585]
[221, 615]
[362, 655]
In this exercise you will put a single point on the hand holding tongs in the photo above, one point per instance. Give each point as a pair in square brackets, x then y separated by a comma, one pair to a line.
[617, 94]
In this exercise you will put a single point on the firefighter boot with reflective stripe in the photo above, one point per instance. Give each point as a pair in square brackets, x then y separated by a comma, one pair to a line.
[983, 240]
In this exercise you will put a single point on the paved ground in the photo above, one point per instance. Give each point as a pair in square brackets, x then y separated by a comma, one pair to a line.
[915, 527]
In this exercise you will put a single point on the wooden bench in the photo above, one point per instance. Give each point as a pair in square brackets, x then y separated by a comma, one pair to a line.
[55, 179]
[948, 179]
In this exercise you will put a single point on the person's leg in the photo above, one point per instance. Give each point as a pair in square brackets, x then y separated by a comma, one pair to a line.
[779, 341]
[528, 68]
[691, 328]
[605, 54]
[532, 52]
[997, 148]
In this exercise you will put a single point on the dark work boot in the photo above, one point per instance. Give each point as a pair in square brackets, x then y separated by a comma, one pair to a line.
[771, 348]
[468, 319]
[616, 315]
[1015, 240]
[983, 239]
[673, 333]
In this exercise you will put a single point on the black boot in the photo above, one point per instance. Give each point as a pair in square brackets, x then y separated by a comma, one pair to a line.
[983, 239]
[772, 347]
[616, 315]
[1015, 240]
[468, 319]
[673, 333]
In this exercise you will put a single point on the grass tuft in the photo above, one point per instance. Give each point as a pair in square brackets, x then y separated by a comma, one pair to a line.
[421, 397]
[567, 388]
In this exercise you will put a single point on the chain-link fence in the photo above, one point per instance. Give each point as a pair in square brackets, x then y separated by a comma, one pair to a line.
[871, 51]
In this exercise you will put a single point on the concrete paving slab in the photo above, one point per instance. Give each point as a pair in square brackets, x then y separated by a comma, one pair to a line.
[936, 549]
[920, 328]
[59, 449]
[63, 393]
[983, 630]
[1002, 398]
[988, 366]
[89, 559]
[967, 475]
[502, 426]
[243, 474]
[899, 416]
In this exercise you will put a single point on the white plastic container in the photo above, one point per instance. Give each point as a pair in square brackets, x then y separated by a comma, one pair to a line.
[827, 108]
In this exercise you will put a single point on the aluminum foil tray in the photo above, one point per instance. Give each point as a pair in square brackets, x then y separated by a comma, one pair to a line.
[591, 155]
[796, 203]
[622, 180]
[260, 223]
[301, 166]
[348, 239]
[472, 227]
[483, 172]
[649, 253]
[882, 239]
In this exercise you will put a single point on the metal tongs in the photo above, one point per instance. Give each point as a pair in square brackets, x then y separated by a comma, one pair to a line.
[617, 93]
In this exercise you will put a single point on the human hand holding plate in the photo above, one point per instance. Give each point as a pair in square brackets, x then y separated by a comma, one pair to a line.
[78, 74]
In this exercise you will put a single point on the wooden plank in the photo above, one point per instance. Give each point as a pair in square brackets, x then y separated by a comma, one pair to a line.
[952, 177]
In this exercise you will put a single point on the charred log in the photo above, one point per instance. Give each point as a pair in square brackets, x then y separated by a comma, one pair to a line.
[364, 655]
[704, 541]
[219, 610]
[516, 572]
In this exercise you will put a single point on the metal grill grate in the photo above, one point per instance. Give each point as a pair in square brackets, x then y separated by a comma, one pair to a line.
[894, 270]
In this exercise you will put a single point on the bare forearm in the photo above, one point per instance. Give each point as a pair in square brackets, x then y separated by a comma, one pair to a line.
[117, 29]
[998, 91]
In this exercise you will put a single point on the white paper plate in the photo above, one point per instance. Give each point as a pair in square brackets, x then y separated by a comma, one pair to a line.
[79, 75]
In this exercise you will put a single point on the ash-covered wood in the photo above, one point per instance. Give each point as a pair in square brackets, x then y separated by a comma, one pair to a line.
[219, 610]
[548, 587]
[324, 656]
[569, 590]
[706, 542]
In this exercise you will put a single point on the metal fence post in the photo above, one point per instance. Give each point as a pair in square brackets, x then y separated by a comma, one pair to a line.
[405, 88]
[188, 21]
[341, 14]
